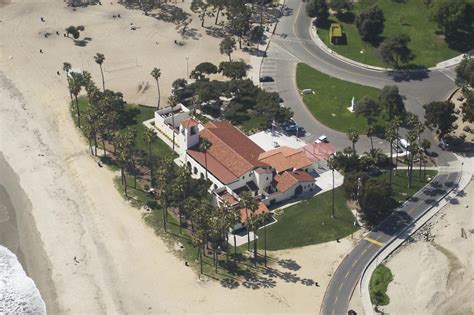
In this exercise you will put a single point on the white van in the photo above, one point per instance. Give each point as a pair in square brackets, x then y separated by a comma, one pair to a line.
[307, 91]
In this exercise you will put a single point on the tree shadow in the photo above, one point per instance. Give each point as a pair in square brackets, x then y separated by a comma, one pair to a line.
[289, 264]
[409, 75]
[346, 17]
[171, 14]
[217, 32]
[461, 40]
[394, 223]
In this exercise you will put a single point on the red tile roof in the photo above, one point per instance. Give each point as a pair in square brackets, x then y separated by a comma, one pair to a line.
[318, 151]
[261, 209]
[231, 154]
[287, 180]
[285, 158]
[229, 198]
[188, 123]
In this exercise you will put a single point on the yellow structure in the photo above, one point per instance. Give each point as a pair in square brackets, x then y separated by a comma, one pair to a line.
[335, 33]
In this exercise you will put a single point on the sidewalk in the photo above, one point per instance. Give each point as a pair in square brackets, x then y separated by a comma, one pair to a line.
[407, 232]
[314, 35]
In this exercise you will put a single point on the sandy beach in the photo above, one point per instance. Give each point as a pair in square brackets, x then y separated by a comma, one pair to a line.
[66, 207]
[442, 279]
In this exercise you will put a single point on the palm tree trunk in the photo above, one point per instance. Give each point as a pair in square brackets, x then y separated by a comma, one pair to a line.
[230, 59]
[200, 260]
[217, 16]
[172, 118]
[333, 199]
[95, 143]
[421, 158]
[205, 162]
[158, 99]
[255, 247]
[103, 146]
[371, 142]
[235, 246]
[165, 206]
[103, 81]
[265, 244]
[78, 112]
[391, 158]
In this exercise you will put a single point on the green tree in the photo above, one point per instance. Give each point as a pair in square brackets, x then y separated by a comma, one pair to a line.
[73, 31]
[203, 69]
[227, 46]
[375, 200]
[440, 116]
[250, 205]
[66, 68]
[368, 107]
[99, 59]
[339, 6]
[217, 6]
[150, 137]
[156, 74]
[370, 23]
[397, 123]
[353, 136]
[204, 146]
[468, 107]
[318, 9]
[451, 15]
[164, 176]
[332, 164]
[75, 88]
[233, 69]
[390, 135]
[239, 17]
[353, 182]
[425, 145]
[395, 50]
[201, 8]
[391, 100]
[465, 73]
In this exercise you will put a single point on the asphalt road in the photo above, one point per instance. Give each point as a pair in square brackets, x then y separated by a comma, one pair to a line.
[342, 284]
[291, 44]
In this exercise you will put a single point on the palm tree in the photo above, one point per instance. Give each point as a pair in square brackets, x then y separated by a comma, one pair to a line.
[390, 135]
[156, 73]
[253, 222]
[425, 145]
[332, 166]
[172, 101]
[66, 68]
[75, 89]
[420, 127]
[248, 202]
[264, 219]
[122, 145]
[370, 134]
[397, 122]
[353, 136]
[99, 59]
[412, 149]
[204, 146]
[165, 175]
[149, 137]
[180, 187]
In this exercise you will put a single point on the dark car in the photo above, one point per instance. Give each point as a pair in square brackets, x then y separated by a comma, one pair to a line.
[266, 78]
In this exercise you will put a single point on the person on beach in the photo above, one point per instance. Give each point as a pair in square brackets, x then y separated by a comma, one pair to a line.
[41, 51]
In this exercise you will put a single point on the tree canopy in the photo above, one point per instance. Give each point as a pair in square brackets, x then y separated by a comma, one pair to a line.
[395, 50]
[233, 69]
[465, 73]
[370, 23]
[375, 200]
[391, 100]
[368, 107]
[318, 9]
[451, 15]
[203, 69]
[441, 116]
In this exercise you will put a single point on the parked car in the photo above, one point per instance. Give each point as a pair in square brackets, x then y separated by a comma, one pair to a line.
[403, 143]
[266, 78]
[323, 138]
[396, 147]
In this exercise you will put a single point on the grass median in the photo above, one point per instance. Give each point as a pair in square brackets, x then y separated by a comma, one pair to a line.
[379, 282]
[401, 17]
[329, 104]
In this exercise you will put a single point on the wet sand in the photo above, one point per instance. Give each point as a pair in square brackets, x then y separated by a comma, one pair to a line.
[18, 233]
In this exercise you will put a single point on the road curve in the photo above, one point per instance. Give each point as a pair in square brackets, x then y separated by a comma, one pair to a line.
[292, 43]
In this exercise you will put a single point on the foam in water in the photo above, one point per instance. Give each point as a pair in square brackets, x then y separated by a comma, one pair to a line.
[18, 292]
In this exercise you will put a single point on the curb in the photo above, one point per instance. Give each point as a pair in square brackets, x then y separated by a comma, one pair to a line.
[393, 244]
[314, 35]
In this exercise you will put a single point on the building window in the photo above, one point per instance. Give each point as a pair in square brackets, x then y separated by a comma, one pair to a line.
[267, 177]
[195, 170]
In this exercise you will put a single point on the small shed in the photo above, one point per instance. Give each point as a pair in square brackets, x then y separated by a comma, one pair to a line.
[335, 33]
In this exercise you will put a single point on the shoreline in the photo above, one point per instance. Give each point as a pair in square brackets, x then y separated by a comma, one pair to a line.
[20, 235]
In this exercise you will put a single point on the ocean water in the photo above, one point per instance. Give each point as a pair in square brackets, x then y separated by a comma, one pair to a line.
[18, 292]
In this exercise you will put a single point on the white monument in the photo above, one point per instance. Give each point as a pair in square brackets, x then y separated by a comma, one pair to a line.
[352, 108]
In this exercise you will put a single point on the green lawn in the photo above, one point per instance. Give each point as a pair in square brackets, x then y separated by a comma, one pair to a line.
[254, 122]
[332, 98]
[379, 282]
[302, 224]
[411, 18]
[401, 192]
